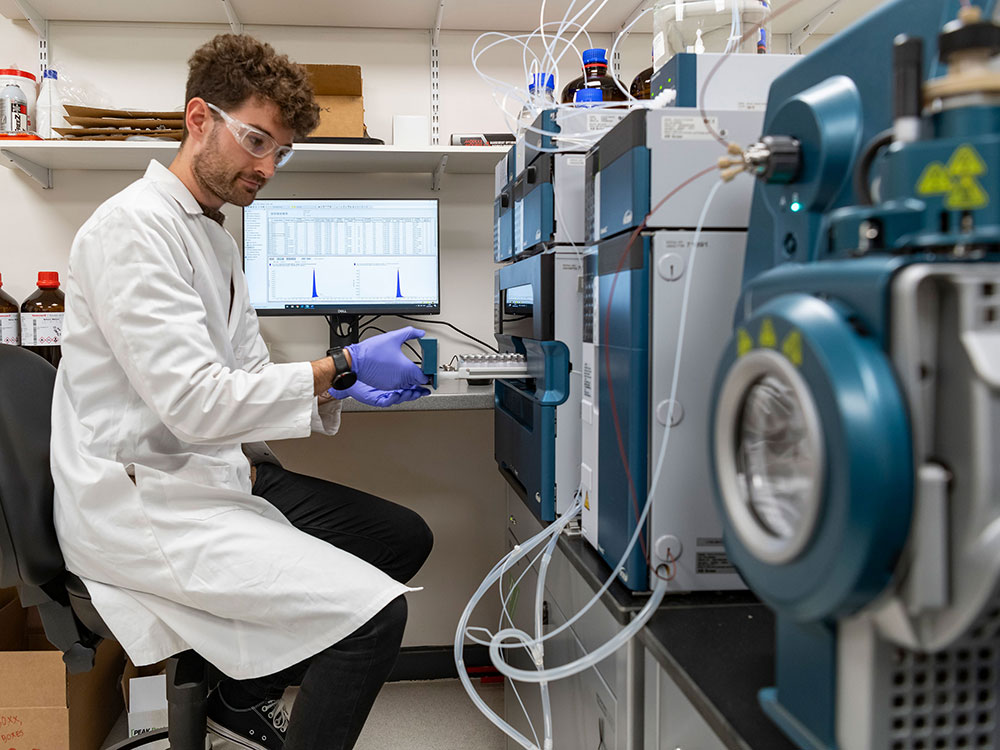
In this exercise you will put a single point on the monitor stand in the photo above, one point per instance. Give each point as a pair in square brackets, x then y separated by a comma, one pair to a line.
[351, 323]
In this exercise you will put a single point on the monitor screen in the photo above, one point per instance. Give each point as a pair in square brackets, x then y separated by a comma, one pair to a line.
[332, 256]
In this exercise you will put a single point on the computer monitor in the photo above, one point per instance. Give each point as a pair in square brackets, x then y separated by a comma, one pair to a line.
[342, 257]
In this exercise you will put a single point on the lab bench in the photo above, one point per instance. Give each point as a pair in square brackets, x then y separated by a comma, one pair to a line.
[451, 395]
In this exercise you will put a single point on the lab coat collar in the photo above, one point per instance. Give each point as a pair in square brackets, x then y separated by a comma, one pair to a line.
[172, 184]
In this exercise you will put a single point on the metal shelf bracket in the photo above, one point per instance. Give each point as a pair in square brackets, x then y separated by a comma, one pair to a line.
[41, 26]
[811, 26]
[436, 77]
[41, 175]
[234, 20]
[438, 172]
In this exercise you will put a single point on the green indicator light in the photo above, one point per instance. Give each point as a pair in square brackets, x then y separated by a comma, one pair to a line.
[796, 207]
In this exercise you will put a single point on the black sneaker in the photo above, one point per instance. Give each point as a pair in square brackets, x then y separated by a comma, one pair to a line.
[260, 727]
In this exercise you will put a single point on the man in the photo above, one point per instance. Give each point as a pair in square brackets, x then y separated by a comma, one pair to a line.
[279, 580]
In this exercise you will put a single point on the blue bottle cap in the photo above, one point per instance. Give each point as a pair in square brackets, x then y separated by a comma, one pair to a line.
[539, 78]
[589, 96]
[49, 73]
[596, 55]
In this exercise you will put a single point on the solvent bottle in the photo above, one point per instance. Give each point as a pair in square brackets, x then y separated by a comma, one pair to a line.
[595, 75]
[42, 318]
[10, 319]
[641, 84]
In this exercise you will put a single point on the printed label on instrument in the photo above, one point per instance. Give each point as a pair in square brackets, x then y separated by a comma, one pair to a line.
[709, 541]
[41, 329]
[713, 562]
[688, 128]
[10, 328]
[576, 161]
[659, 45]
[519, 226]
[597, 207]
[601, 121]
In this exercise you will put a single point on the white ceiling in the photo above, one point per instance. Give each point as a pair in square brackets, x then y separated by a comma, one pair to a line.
[474, 15]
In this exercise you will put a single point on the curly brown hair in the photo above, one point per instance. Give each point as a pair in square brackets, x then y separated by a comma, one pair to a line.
[231, 68]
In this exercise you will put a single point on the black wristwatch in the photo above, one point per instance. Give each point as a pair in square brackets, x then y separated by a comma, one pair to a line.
[343, 376]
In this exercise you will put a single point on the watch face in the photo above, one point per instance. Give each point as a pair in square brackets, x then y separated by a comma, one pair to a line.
[344, 380]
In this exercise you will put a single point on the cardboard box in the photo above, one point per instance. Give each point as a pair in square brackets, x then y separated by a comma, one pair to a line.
[41, 706]
[341, 105]
[145, 692]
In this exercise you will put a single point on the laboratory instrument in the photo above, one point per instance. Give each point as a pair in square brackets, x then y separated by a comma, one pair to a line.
[648, 155]
[726, 81]
[536, 440]
[857, 414]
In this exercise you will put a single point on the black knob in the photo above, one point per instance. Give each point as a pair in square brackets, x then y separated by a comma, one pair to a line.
[967, 35]
[908, 76]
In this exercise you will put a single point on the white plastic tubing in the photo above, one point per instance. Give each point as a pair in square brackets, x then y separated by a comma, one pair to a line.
[513, 637]
[555, 44]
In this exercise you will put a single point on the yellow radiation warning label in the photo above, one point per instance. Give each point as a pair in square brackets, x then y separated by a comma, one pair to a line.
[957, 180]
[768, 338]
[743, 342]
[791, 347]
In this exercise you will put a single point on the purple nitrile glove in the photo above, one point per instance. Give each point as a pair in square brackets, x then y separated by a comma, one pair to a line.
[377, 397]
[379, 361]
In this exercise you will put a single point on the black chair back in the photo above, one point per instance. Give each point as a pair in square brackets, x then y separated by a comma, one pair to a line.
[29, 549]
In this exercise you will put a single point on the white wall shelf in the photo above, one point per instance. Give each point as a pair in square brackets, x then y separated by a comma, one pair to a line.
[458, 15]
[397, 14]
[40, 158]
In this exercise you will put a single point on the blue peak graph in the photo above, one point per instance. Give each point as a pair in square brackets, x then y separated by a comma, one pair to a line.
[314, 285]
[399, 292]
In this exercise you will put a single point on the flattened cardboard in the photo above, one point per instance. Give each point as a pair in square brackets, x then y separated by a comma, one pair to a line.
[338, 90]
[77, 110]
[117, 131]
[123, 122]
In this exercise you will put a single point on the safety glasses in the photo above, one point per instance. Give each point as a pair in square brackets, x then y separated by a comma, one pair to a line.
[256, 142]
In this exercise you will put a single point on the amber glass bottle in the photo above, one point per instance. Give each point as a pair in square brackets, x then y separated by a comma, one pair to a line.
[42, 318]
[640, 87]
[595, 74]
[10, 318]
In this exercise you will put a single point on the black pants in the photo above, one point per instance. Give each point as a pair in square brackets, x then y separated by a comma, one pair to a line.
[340, 683]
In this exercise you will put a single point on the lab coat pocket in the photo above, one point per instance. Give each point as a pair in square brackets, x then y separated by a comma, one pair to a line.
[193, 494]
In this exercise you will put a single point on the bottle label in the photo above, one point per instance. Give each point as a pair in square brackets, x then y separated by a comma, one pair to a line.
[41, 329]
[10, 329]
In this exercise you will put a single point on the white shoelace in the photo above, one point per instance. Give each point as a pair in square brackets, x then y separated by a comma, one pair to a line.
[279, 712]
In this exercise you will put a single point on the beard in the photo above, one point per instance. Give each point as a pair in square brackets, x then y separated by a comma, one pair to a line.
[221, 179]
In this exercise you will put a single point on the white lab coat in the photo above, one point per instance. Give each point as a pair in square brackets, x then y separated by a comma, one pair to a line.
[160, 383]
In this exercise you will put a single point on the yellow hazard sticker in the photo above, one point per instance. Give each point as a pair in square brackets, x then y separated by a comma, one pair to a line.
[586, 500]
[743, 342]
[956, 180]
[768, 338]
[791, 347]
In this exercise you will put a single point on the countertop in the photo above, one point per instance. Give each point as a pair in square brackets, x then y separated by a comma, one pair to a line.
[450, 395]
